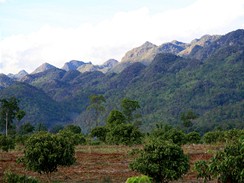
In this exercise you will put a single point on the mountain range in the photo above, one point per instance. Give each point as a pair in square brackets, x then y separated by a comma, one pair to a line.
[205, 76]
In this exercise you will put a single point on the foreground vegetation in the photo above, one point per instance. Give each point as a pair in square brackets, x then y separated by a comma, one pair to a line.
[115, 161]
[161, 155]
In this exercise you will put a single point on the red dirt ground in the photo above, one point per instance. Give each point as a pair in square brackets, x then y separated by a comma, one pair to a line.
[98, 164]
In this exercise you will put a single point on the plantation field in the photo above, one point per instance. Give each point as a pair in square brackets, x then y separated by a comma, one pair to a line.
[98, 164]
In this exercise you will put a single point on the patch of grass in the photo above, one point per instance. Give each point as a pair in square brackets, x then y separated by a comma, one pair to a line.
[105, 149]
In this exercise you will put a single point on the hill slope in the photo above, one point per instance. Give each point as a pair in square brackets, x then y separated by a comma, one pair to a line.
[208, 80]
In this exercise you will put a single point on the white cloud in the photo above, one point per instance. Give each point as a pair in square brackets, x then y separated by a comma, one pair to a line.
[2, 1]
[113, 37]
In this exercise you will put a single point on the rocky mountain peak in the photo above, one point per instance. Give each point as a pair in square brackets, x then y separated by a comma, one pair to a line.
[110, 63]
[42, 68]
[148, 45]
[72, 65]
[19, 75]
[173, 47]
[143, 53]
[202, 42]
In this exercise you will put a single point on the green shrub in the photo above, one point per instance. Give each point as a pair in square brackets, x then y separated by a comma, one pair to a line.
[44, 152]
[226, 165]
[10, 177]
[74, 138]
[193, 137]
[213, 137]
[6, 143]
[21, 139]
[168, 133]
[126, 134]
[227, 136]
[141, 179]
[99, 132]
[233, 135]
[163, 161]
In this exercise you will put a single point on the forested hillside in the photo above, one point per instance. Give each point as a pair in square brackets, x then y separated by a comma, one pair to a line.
[209, 81]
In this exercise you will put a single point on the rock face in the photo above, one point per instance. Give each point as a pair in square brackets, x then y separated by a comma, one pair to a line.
[18, 76]
[89, 67]
[147, 52]
[43, 67]
[173, 47]
[199, 43]
[143, 54]
[108, 65]
[21, 74]
[72, 65]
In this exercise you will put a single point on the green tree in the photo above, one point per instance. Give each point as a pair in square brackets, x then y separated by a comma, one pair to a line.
[126, 134]
[56, 128]
[161, 160]
[213, 137]
[120, 132]
[168, 133]
[226, 165]
[73, 128]
[9, 110]
[74, 138]
[26, 128]
[41, 127]
[187, 118]
[6, 143]
[115, 118]
[128, 108]
[19, 116]
[100, 132]
[176, 136]
[44, 152]
[96, 106]
[193, 137]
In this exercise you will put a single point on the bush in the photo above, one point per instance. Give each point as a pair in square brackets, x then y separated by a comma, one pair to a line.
[176, 136]
[21, 139]
[226, 165]
[163, 161]
[193, 138]
[168, 133]
[99, 132]
[44, 152]
[73, 128]
[6, 143]
[228, 136]
[213, 137]
[74, 138]
[233, 135]
[126, 134]
[10, 177]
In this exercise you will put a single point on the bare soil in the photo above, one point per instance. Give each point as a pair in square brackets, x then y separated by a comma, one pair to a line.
[100, 164]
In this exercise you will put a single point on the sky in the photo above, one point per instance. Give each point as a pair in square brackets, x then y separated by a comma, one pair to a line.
[33, 32]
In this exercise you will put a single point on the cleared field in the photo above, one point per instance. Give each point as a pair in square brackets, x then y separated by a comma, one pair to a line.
[98, 164]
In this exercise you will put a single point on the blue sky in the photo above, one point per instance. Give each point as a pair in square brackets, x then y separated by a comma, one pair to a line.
[55, 31]
[25, 16]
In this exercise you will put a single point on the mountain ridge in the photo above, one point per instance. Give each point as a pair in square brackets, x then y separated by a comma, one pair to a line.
[208, 81]
[144, 54]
